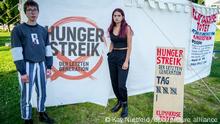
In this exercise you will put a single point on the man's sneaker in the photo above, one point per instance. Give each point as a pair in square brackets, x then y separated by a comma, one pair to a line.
[30, 121]
[43, 117]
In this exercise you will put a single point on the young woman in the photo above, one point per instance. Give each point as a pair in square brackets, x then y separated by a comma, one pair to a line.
[118, 58]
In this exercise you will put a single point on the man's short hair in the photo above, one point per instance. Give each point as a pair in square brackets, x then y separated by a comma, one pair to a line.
[30, 3]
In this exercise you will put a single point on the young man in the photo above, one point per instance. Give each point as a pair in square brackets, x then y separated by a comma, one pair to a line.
[32, 56]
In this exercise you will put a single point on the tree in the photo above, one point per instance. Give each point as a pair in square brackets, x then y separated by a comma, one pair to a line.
[202, 2]
[3, 14]
[9, 12]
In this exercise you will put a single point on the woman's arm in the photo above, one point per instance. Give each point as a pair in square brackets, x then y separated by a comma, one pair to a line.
[111, 47]
[129, 45]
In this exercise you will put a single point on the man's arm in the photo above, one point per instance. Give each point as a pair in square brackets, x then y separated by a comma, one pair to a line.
[49, 55]
[17, 51]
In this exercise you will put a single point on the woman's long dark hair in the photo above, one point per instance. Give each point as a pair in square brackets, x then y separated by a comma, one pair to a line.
[123, 30]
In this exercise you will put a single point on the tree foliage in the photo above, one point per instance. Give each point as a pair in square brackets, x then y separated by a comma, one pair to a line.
[9, 12]
[202, 2]
[3, 15]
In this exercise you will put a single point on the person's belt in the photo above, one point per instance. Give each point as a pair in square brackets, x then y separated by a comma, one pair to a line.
[125, 48]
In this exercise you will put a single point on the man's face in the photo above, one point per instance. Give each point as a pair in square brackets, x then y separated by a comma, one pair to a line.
[32, 13]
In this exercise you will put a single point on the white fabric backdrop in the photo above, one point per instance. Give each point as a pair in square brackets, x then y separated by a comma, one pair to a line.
[155, 23]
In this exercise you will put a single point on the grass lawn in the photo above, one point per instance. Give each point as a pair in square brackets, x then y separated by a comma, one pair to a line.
[5, 38]
[217, 36]
[198, 101]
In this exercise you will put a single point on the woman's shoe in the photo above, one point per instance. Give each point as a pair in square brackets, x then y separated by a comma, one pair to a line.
[116, 107]
[124, 112]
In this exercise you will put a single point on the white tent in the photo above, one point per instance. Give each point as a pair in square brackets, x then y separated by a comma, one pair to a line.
[156, 23]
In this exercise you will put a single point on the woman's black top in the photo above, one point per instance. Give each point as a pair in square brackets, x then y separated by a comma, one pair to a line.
[118, 42]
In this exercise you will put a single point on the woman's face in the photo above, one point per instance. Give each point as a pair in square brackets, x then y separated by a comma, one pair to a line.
[117, 17]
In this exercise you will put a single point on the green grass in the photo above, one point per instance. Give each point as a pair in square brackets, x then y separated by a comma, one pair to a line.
[4, 38]
[216, 64]
[9, 98]
[217, 46]
[198, 101]
[217, 35]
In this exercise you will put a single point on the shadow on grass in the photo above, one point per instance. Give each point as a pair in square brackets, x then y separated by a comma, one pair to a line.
[6, 73]
[4, 48]
[4, 39]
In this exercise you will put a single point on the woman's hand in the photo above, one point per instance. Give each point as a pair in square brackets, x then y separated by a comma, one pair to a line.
[125, 65]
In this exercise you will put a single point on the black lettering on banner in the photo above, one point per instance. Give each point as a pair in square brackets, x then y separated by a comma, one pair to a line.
[54, 49]
[158, 89]
[71, 34]
[173, 91]
[75, 41]
[72, 49]
[60, 36]
[162, 80]
[165, 90]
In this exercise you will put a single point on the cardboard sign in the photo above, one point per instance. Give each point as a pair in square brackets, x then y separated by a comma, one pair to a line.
[169, 85]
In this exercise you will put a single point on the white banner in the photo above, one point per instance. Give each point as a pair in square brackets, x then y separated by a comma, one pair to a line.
[202, 37]
[80, 72]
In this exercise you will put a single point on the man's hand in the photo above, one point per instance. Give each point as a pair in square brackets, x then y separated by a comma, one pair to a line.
[48, 75]
[25, 78]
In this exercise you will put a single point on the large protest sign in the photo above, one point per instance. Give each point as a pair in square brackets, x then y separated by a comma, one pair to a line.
[169, 85]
